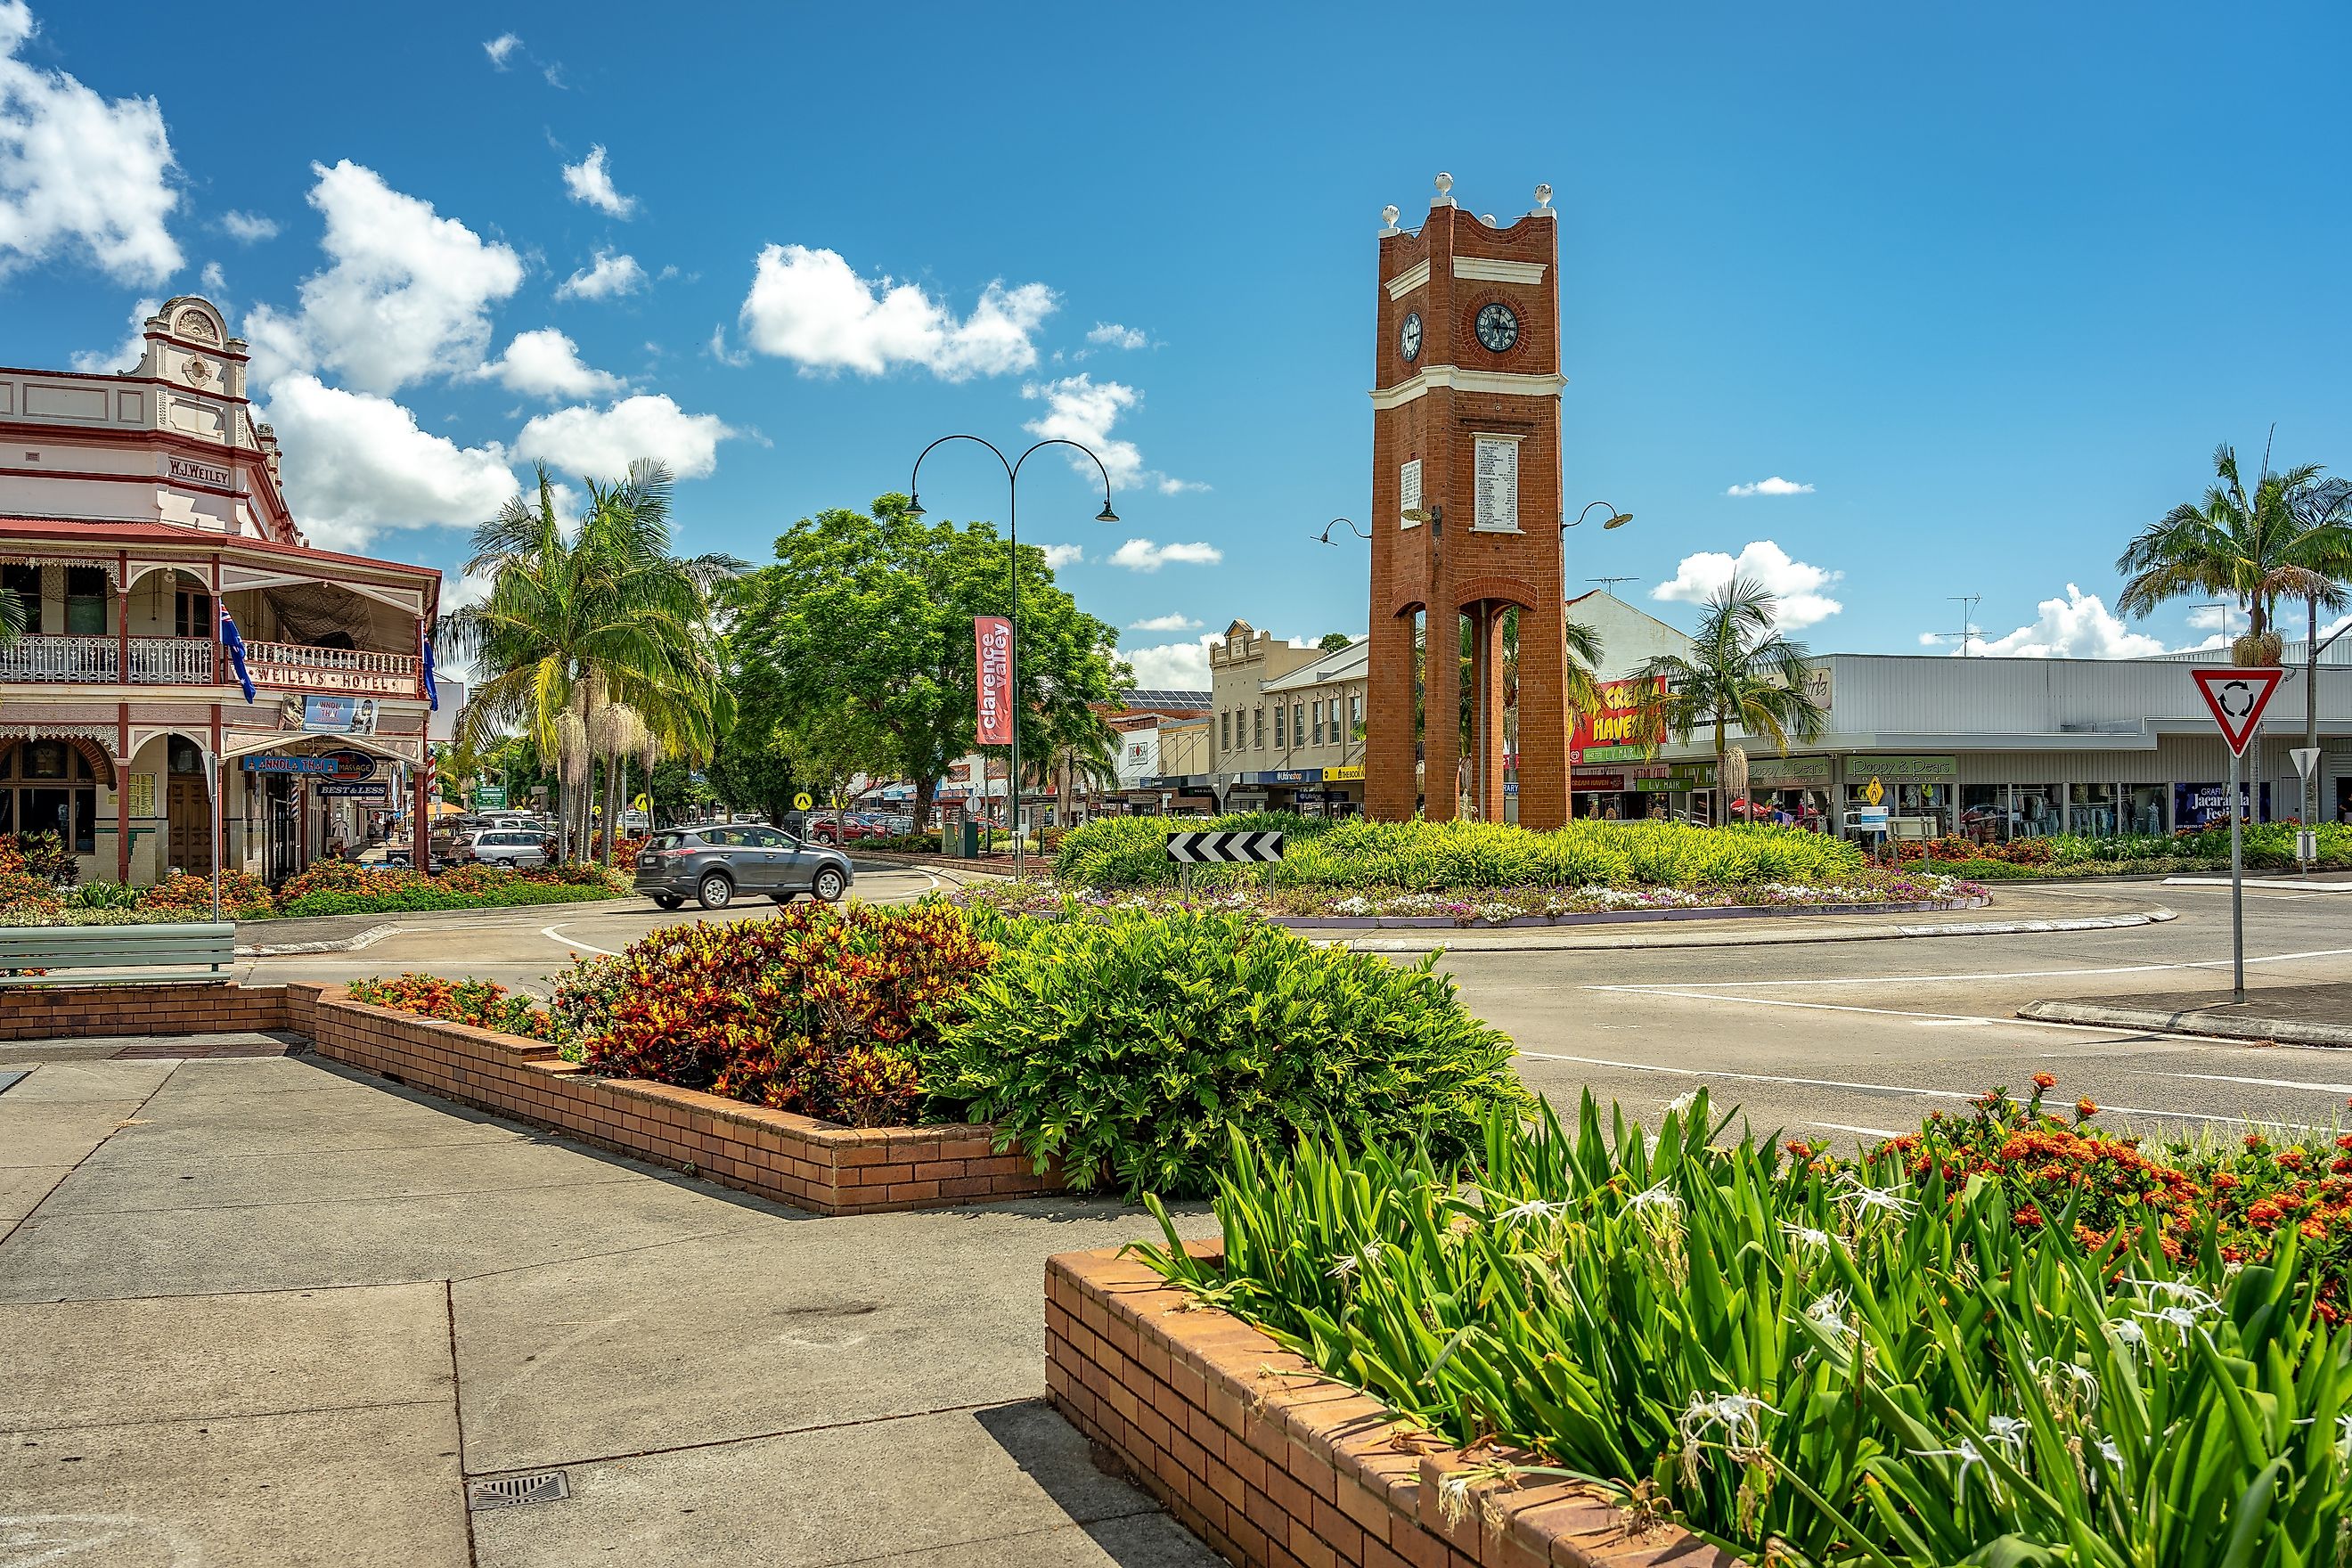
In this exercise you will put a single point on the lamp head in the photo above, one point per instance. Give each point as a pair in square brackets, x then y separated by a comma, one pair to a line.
[915, 505]
[1106, 515]
[1619, 521]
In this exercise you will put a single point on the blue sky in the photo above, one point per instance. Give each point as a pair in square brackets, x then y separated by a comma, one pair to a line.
[1989, 282]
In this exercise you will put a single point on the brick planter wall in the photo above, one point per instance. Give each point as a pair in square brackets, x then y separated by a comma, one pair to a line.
[776, 1154]
[1274, 1468]
[68, 1011]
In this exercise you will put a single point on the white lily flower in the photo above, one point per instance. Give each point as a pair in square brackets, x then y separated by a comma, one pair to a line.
[1658, 1197]
[1806, 1236]
[1863, 1196]
[1535, 1209]
[1970, 1456]
[1683, 1100]
[2009, 1431]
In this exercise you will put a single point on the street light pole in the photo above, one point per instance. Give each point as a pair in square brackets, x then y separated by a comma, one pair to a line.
[1616, 519]
[1013, 468]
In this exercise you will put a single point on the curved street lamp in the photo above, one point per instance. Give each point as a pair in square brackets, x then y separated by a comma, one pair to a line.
[1012, 466]
[1325, 537]
[1616, 518]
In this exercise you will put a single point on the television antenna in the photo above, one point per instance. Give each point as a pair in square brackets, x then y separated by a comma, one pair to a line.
[1967, 603]
[1609, 583]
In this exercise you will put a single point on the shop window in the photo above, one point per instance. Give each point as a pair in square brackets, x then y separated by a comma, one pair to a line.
[2037, 810]
[1930, 803]
[2091, 810]
[1985, 814]
[24, 584]
[86, 596]
[1298, 723]
[2144, 808]
[1279, 711]
[47, 786]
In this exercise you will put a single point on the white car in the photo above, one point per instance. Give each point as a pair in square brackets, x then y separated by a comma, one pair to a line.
[519, 847]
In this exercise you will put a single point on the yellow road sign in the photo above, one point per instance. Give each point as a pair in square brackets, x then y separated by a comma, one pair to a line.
[803, 801]
[642, 802]
[1873, 792]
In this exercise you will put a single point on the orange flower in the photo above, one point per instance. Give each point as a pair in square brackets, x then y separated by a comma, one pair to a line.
[2045, 1081]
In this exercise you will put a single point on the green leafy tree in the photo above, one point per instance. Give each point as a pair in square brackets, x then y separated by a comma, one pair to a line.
[1333, 642]
[575, 626]
[868, 617]
[1739, 672]
[2255, 548]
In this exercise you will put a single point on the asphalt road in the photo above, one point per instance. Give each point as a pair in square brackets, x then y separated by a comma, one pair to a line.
[1847, 1039]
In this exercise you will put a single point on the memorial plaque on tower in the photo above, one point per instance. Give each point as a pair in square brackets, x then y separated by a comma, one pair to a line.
[1497, 477]
[1409, 492]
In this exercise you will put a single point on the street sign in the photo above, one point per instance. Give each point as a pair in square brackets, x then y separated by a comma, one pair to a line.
[490, 797]
[1224, 848]
[803, 801]
[2305, 759]
[642, 802]
[1873, 792]
[2237, 698]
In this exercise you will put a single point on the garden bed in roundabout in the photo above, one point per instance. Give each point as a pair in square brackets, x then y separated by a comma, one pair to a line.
[2008, 1339]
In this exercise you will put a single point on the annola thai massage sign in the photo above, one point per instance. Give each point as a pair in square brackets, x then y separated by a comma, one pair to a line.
[993, 641]
[1616, 733]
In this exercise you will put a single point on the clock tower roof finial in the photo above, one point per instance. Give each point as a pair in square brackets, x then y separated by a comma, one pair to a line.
[1388, 221]
[1444, 197]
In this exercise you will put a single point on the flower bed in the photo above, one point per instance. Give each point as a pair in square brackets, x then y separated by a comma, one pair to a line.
[1130, 1048]
[2010, 1339]
[483, 1003]
[1868, 887]
[2266, 846]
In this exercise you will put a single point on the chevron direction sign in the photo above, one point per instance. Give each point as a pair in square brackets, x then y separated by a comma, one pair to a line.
[1223, 848]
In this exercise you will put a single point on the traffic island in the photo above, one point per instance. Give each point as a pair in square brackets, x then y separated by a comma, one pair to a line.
[791, 1159]
[2287, 1015]
[1274, 1464]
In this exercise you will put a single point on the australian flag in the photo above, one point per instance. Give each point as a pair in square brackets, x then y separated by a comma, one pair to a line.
[432, 686]
[236, 647]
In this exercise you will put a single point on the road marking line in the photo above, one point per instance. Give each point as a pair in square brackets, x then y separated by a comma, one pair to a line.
[2008, 974]
[555, 934]
[1862, 1131]
[1844, 1083]
[1952, 1023]
[2265, 1082]
[1943, 1018]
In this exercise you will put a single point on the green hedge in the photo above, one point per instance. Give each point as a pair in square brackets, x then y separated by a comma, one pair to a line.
[402, 900]
[1130, 852]
[1136, 1048]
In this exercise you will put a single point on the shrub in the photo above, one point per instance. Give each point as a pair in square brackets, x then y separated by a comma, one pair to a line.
[1131, 852]
[104, 896]
[483, 1004]
[44, 854]
[184, 895]
[1133, 1047]
[343, 887]
[824, 1010]
[1812, 1360]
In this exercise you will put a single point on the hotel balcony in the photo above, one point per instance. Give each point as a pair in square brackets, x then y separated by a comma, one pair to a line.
[99, 660]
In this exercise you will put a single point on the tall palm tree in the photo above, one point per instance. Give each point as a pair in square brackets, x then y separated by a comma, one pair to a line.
[1739, 671]
[2257, 548]
[575, 624]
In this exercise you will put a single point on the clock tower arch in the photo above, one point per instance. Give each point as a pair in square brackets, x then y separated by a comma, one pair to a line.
[1467, 514]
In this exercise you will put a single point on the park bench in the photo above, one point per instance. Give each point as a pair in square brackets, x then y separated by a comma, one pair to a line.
[116, 955]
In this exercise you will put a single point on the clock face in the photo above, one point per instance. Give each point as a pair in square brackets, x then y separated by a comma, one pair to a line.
[1499, 329]
[1409, 337]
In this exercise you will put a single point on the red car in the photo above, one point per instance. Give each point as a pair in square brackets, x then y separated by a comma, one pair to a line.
[824, 831]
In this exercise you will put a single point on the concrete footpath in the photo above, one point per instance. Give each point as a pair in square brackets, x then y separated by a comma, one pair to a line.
[257, 1310]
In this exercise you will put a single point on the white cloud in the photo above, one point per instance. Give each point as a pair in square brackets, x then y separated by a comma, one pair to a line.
[810, 307]
[1775, 486]
[1176, 665]
[1142, 555]
[249, 229]
[81, 176]
[2079, 626]
[1175, 622]
[1110, 335]
[1060, 555]
[1079, 408]
[1797, 585]
[546, 364]
[603, 443]
[610, 274]
[1169, 485]
[2210, 618]
[357, 464]
[407, 295]
[114, 361]
[499, 47]
[588, 181]
[212, 279]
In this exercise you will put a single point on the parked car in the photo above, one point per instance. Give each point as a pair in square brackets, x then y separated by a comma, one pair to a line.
[519, 847]
[716, 864]
[824, 830]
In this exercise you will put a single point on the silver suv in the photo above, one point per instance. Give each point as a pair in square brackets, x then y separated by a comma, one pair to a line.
[519, 847]
[715, 864]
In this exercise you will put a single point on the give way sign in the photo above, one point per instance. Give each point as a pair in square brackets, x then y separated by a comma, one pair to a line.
[2237, 698]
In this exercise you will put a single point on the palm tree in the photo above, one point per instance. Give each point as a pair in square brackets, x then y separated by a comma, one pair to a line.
[2257, 549]
[1739, 671]
[575, 627]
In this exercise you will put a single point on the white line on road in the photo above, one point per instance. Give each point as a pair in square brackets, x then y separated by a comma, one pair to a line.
[1843, 1083]
[1947, 1019]
[555, 934]
[1858, 1132]
[2265, 1082]
[2008, 974]
[1953, 1023]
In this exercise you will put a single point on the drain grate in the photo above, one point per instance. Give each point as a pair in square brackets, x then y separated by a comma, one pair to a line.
[512, 1491]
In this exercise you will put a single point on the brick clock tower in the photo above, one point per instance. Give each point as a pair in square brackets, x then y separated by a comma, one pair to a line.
[1467, 513]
